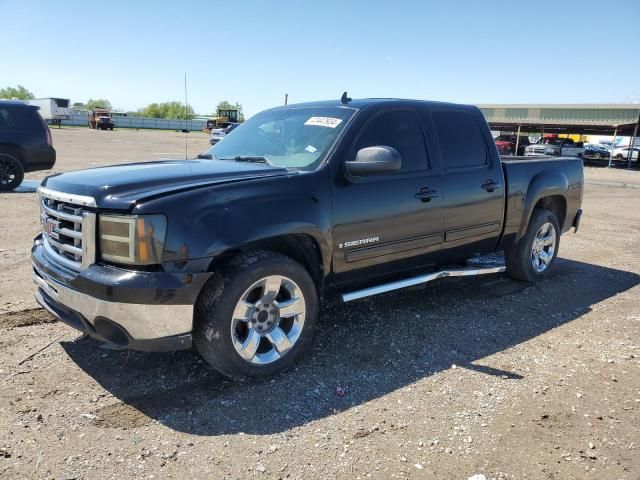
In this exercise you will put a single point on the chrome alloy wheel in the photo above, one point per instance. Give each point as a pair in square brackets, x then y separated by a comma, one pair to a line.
[543, 248]
[268, 319]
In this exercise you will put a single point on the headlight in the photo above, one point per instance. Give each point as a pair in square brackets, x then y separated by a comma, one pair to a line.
[132, 239]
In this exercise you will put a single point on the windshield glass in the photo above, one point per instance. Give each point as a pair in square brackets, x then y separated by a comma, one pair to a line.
[295, 138]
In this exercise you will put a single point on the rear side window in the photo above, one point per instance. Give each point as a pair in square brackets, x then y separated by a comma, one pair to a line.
[461, 140]
[400, 129]
[19, 118]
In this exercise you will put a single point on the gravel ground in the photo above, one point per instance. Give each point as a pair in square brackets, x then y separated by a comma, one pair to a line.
[483, 376]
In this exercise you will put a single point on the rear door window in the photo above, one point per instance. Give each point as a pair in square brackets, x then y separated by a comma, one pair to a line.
[461, 140]
[400, 129]
[19, 118]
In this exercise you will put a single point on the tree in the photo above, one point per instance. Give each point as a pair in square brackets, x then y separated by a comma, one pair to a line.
[79, 106]
[167, 110]
[19, 93]
[98, 103]
[224, 105]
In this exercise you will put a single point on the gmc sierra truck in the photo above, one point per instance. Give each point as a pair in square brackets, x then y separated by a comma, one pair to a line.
[232, 252]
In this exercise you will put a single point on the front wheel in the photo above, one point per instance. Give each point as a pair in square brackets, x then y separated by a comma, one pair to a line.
[533, 256]
[256, 315]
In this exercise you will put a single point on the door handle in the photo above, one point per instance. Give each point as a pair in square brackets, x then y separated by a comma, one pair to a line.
[490, 185]
[426, 194]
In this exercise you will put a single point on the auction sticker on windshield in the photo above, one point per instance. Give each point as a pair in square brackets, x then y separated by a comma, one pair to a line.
[329, 122]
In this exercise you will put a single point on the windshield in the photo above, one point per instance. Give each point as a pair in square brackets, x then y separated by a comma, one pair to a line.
[295, 138]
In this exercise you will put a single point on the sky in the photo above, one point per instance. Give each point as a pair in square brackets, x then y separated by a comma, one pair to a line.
[253, 52]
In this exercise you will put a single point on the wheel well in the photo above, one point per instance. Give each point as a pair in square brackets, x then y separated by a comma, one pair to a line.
[556, 204]
[300, 247]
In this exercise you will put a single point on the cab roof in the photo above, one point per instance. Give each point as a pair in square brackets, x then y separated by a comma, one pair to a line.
[17, 103]
[359, 103]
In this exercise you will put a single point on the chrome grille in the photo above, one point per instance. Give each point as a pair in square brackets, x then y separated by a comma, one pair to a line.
[68, 228]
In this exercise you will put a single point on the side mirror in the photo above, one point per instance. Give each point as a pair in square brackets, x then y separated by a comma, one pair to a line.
[374, 160]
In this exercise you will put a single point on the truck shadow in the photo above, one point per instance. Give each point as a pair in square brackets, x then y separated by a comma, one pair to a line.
[27, 186]
[370, 348]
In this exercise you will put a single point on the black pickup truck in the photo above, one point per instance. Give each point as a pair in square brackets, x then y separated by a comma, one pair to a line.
[234, 251]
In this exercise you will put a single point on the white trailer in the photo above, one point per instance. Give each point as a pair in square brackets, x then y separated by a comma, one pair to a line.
[53, 110]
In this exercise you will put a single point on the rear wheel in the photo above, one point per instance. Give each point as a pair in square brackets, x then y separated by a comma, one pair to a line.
[11, 172]
[256, 315]
[534, 255]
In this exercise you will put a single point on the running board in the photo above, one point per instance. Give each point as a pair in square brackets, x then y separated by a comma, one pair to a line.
[429, 277]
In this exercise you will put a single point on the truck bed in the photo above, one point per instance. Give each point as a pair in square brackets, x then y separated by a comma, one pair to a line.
[529, 178]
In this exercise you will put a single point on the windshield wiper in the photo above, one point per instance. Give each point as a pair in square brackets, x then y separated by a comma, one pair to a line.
[247, 158]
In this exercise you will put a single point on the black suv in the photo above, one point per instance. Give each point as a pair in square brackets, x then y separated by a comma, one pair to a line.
[25, 143]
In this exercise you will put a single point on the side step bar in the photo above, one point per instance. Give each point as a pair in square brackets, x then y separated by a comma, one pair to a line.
[429, 277]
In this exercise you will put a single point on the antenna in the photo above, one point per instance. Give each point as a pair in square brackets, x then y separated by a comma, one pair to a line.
[345, 99]
[186, 112]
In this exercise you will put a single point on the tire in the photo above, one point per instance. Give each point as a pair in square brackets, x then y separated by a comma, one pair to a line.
[11, 172]
[237, 290]
[529, 262]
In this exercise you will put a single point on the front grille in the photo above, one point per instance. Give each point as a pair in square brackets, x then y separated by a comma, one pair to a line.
[68, 229]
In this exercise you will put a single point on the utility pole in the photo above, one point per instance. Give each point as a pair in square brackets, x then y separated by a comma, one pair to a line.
[286, 98]
[186, 111]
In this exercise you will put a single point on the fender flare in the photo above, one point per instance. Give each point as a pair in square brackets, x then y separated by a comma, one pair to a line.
[544, 184]
[322, 240]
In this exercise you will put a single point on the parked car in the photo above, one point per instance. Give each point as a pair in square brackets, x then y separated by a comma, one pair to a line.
[565, 147]
[218, 134]
[622, 153]
[506, 144]
[233, 252]
[25, 143]
[595, 152]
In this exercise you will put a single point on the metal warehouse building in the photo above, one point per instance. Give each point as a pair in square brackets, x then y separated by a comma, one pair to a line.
[595, 119]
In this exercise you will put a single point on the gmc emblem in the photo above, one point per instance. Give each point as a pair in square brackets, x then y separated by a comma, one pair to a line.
[50, 228]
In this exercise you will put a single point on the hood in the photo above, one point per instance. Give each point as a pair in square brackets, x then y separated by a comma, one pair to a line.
[122, 186]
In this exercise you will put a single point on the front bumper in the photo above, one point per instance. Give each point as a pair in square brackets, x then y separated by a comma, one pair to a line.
[150, 311]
